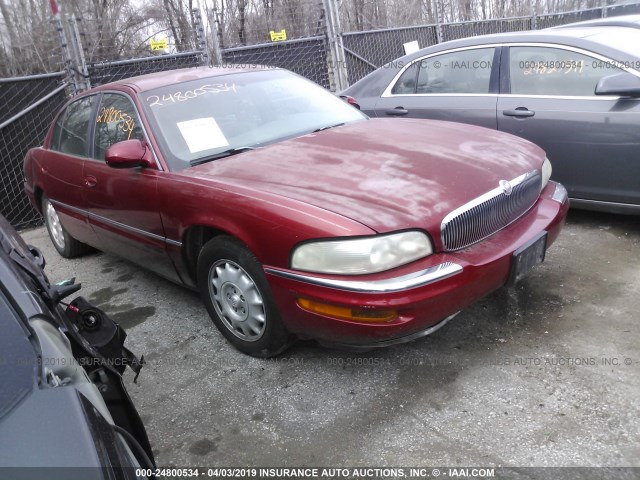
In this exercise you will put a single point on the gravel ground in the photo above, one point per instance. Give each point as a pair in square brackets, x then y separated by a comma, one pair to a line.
[543, 374]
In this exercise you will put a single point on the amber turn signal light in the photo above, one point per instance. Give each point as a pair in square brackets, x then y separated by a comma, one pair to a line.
[368, 315]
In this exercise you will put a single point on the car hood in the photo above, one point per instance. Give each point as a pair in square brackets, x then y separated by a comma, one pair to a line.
[387, 174]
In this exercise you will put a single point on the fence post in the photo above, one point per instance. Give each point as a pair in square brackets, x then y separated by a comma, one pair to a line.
[603, 7]
[81, 72]
[534, 16]
[338, 68]
[66, 56]
[200, 37]
[436, 11]
[214, 25]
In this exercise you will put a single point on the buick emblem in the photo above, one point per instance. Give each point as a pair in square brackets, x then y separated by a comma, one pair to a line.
[506, 187]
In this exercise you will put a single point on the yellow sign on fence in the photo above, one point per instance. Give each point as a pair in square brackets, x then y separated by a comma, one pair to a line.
[158, 44]
[278, 36]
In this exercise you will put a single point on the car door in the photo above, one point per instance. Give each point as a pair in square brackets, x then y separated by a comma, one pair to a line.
[592, 141]
[62, 165]
[459, 85]
[123, 203]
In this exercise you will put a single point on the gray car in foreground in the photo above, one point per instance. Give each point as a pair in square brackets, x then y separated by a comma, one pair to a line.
[573, 91]
[64, 411]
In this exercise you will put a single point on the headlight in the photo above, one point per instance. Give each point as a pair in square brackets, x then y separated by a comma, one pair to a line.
[361, 255]
[546, 172]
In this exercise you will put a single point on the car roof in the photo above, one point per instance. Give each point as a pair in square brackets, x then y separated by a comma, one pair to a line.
[629, 21]
[151, 81]
[604, 39]
[545, 35]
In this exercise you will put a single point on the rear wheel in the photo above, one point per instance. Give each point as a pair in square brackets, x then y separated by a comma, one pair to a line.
[238, 298]
[64, 243]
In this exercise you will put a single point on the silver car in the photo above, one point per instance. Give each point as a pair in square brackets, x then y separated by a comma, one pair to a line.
[573, 91]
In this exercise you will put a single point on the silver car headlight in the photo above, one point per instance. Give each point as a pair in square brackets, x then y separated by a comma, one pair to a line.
[361, 255]
[546, 172]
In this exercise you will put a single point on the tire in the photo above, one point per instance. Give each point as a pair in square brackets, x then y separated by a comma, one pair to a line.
[238, 298]
[64, 243]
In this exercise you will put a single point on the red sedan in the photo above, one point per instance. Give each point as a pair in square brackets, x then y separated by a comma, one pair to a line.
[292, 213]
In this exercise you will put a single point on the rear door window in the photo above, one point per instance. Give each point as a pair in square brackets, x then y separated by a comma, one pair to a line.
[465, 71]
[71, 132]
[406, 84]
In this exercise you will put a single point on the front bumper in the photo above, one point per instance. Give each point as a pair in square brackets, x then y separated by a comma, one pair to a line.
[423, 293]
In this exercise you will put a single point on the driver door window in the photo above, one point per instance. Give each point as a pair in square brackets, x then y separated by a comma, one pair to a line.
[116, 121]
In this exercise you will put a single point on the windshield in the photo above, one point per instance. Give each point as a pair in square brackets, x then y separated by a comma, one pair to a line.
[198, 119]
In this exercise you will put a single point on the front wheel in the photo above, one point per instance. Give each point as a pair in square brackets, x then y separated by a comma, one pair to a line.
[238, 298]
[65, 244]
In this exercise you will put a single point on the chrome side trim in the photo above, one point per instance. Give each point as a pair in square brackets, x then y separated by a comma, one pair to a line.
[400, 95]
[68, 207]
[404, 282]
[393, 341]
[609, 207]
[119, 225]
[599, 98]
[123, 226]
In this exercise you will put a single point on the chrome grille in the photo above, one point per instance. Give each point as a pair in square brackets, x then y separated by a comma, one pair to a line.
[491, 212]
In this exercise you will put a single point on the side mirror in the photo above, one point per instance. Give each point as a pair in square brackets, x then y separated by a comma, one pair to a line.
[351, 101]
[624, 84]
[129, 154]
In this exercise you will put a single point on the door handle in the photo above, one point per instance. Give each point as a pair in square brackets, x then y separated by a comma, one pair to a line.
[397, 112]
[90, 181]
[520, 112]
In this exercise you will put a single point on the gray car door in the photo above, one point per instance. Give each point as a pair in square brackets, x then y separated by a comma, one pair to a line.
[458, 85]
[593, 142]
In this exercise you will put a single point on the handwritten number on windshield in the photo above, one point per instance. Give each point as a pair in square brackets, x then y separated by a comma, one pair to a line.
[183, 96]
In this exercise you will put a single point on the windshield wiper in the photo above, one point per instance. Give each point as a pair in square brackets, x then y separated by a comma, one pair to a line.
[328, 127]
[224, 153]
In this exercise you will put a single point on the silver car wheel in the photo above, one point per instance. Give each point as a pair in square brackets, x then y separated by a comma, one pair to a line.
[55, 227]
[237, 300]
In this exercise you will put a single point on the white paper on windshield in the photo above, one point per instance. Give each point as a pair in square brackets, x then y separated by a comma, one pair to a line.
[202, 134]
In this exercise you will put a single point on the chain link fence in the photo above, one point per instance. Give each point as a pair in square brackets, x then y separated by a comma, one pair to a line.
[365, 51]
[105, 72]
[31, 103]
[455, 31]
[307, 57]
[556, 19]
[332, 42]
[275, 33]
